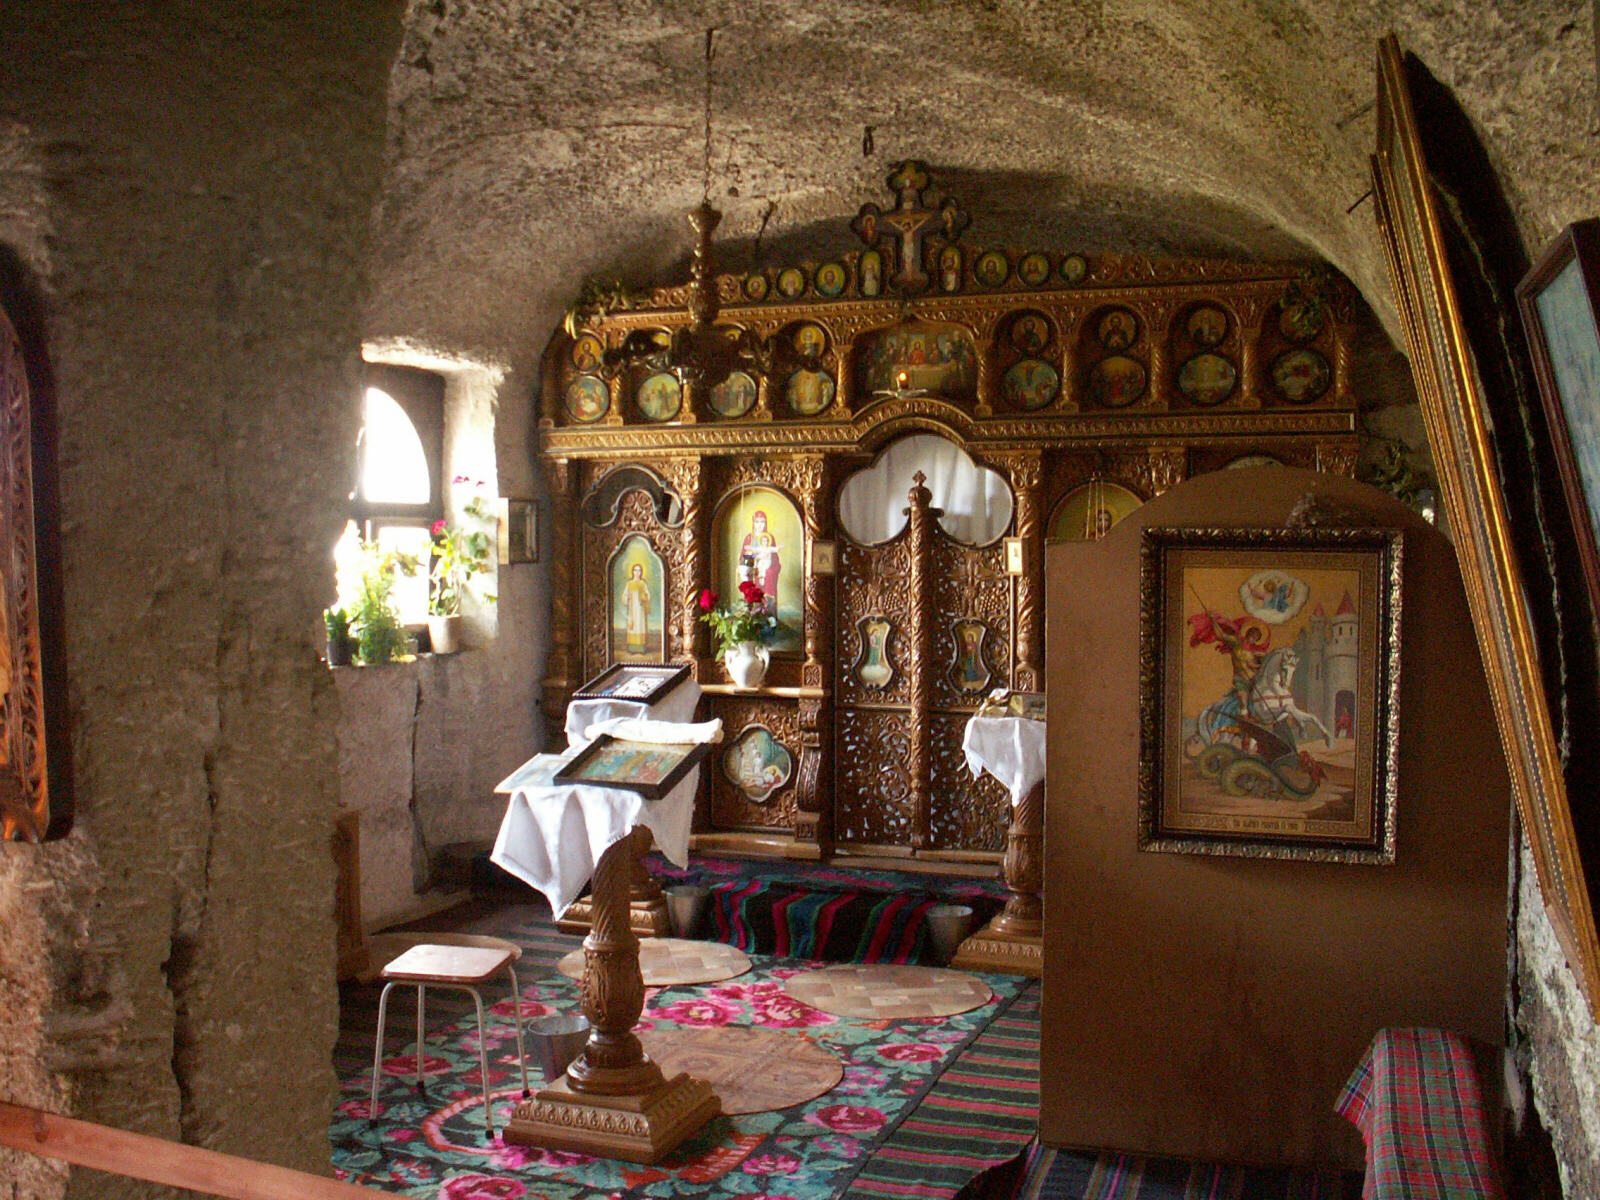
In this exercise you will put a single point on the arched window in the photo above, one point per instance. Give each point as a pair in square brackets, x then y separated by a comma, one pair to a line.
[398, 493]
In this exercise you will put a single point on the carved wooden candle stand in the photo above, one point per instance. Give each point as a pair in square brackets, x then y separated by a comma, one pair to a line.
[614, 1101]
[1012, 943]
[647, 907]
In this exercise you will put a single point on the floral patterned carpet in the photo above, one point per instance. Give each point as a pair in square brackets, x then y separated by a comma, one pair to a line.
[435, 1144]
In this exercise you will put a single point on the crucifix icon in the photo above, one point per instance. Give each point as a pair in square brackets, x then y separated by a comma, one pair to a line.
[910, 223]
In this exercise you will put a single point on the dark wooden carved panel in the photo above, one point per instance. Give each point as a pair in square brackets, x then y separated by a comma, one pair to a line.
[24, 786]
[731, 807]
[873, 583]
[967, 813]
[969, 589]
[872, 777]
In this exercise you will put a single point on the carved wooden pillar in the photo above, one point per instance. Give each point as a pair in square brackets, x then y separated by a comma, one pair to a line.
[693, 400]
[1027, 482]
[566, 545]
[1067, 319]
[919, 668]
[844, 402]
[613, 1101]
[687, 478]
[1343, 391]
[614, 383]
[1250, 311]
[763, 408]
[814, 795]
[1023, 869]
[1158, 318]
[988, 368]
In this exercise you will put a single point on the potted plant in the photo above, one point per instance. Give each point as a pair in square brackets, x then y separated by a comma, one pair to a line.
[337, 622]
[380, 638]
[742, 632]
[459, 553]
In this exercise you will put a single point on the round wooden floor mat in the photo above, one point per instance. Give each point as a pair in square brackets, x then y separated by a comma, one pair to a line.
[884, 991]
[668, 961]
[751, 1070]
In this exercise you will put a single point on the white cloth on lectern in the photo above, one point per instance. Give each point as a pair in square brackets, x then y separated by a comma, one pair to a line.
[677, 705]
[553, 834]
[1009, 748]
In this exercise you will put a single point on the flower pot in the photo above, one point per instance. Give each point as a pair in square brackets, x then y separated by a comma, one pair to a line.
[746, 663]
[339, 651]
[444, 633]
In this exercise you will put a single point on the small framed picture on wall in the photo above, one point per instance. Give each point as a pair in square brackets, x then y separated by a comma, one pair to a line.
[822, 558]
[518, 531]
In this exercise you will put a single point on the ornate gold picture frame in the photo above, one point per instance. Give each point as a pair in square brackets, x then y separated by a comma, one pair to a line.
[1445, 372]
[1269, 692]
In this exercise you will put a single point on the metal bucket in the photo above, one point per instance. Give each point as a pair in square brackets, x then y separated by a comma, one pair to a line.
[686, 904]
[948, 924]
[557, 1040]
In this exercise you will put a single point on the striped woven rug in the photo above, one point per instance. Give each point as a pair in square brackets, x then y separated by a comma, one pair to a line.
[983, 1111]
[1070, 1175]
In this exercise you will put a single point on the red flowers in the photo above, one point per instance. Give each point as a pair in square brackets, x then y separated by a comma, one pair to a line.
[708, 600]
[438, 527]
[752, 594]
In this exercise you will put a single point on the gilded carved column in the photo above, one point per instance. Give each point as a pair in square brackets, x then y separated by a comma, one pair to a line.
[1027, 483]
[1158, 317]
[919, 543]
[1250, 311]
[687, 479]
[1067, 319]
[844, 401]
[813, 795]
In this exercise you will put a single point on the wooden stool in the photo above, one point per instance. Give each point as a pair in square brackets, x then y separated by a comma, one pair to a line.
[463, 967]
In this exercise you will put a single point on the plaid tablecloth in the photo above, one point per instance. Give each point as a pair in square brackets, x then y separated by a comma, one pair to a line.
[1416, 1099]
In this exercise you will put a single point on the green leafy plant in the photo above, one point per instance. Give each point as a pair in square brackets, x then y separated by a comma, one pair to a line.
[337, 622]
[1305, 302]
[747, 621]
[459, 553]
[380, 638]
[596, 299]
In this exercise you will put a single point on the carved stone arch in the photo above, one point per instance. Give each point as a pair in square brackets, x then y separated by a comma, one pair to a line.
[602, 504]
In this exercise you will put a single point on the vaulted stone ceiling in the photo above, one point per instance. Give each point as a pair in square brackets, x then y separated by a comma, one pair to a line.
[533, 144]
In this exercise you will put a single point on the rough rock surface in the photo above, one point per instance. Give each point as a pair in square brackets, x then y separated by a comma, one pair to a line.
[202, 180]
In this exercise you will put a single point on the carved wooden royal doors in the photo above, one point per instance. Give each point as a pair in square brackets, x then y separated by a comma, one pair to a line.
[925, 631]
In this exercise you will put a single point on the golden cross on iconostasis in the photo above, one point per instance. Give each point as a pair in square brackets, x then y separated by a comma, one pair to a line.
[910, 223]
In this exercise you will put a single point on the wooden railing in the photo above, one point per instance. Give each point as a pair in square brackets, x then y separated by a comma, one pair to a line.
[139, 1156]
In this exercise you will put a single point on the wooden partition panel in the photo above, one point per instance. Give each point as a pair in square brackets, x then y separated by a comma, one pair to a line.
[1211, 1007]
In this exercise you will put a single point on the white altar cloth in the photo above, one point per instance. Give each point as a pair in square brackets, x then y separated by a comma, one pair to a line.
[583, 715]
[1009, 748]
[553, 834]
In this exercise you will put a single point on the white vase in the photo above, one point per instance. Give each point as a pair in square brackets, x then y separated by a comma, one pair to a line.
[444, 633]
[747, 663]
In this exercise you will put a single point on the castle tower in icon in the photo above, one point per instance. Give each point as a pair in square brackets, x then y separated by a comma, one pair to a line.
[1325, 683]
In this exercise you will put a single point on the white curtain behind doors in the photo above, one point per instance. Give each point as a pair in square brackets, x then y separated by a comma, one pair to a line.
[976, 500]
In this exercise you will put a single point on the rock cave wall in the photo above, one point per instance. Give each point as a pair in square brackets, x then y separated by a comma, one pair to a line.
[191, 185]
